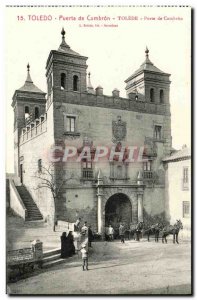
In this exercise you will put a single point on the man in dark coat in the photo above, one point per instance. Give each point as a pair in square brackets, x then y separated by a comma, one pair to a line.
[90, 236]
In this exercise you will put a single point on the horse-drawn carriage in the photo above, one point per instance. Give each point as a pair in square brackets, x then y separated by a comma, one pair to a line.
[157, 230]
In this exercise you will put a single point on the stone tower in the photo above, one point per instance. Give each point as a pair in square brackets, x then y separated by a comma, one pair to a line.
[65, 71]
[150, 81]
[28, 104]
[152, 86]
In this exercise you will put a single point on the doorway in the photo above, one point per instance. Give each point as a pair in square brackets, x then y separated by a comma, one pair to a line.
[118, 209]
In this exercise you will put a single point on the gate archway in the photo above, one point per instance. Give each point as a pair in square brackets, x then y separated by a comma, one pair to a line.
[118, 209]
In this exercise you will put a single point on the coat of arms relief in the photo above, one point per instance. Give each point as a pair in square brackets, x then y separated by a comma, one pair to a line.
[119, 130]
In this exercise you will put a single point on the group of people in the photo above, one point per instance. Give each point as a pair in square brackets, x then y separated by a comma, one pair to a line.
[67, 244]
[86, 231]
[110, 233]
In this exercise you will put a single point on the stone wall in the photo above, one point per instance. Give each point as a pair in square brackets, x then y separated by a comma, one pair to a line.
[31, 150]
[96, 124]
[176, 194]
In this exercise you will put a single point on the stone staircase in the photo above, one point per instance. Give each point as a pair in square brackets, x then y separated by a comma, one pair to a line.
[52, 258]
[33, 213]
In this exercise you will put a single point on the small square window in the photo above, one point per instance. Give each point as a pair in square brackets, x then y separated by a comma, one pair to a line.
[186, 209]
[185, 175]
[185, 178]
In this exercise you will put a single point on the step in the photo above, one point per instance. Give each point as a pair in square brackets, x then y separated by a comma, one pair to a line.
[36, 221]
[51, 258]
[34, 211]
[33, 219]
[53, 263]
[30, 217]
[31, 206]
[52, 252]
[27, 199]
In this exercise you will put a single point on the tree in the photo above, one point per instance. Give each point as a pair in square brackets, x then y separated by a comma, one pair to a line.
[49, 180]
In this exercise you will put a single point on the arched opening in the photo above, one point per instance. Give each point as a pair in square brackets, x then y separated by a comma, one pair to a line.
[75, 83]
[36, 112]
[152, 96]
[161, 96]
[118, 210]
[26, 112]
[63, 81]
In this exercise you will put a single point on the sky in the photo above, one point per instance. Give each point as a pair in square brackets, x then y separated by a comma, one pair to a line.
[114, 53]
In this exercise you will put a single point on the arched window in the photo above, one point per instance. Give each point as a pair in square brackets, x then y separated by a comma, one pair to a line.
[75, 83]
[161, 96]
[152, 96]
[63, 81]
[26, 112]
[36, 112]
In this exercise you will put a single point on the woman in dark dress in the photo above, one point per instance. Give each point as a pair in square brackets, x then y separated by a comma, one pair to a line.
[71, 247]
[64, 245]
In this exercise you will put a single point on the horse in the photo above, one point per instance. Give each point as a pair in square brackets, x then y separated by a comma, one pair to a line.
[138, 230]
[134, 231]
[130, 232]
[172, 229]
[153, 230]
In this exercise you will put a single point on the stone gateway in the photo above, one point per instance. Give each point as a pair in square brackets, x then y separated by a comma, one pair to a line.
[74, 114]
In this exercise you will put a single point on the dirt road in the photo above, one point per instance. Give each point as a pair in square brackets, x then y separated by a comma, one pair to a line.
[115, 268]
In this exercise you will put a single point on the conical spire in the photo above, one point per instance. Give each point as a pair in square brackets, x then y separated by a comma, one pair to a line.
[28, 85]
[63, 44]
[99, 178]
[28, 74]
[139, 178]
[146, 51]
[147, 61]
[89, 86]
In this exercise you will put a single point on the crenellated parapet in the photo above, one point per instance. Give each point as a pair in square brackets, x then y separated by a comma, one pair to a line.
[133, 103]
[33, 129]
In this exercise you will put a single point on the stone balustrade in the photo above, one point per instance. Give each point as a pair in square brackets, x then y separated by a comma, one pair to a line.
[35, 128]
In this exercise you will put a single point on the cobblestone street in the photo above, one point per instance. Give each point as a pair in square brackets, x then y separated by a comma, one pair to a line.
[115, 268]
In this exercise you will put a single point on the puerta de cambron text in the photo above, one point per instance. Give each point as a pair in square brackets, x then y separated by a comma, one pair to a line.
[96, 18]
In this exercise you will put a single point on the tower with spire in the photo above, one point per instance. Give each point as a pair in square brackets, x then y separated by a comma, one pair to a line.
[75, 112]
[65, 71]
[150, 82]
[28, 104]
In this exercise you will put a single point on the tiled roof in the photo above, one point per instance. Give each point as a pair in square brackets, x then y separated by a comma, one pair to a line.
[146, 66]
[178, 155]
[29, 86]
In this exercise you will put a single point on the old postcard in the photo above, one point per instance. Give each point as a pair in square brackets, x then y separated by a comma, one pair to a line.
[98, 182]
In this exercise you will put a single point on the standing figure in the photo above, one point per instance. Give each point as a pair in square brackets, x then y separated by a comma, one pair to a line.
[64, 246]
[121, 233]
[90, 236]
[71, 247]
[77, 225]
[84, 229]
[84, 254]
[139, 228]
[111, 233]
